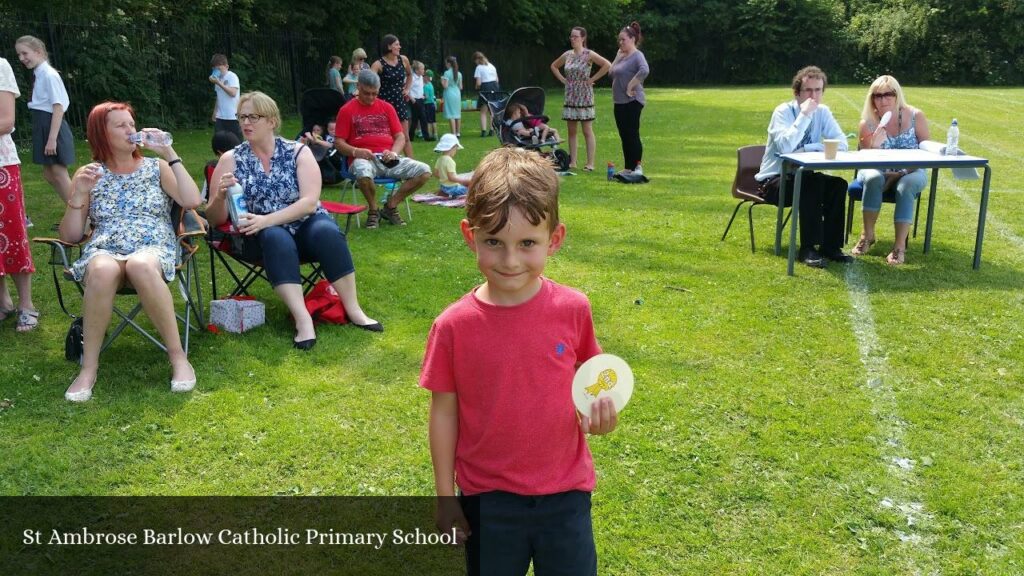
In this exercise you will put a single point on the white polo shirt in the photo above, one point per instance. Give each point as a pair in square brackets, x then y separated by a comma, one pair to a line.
[48, 89]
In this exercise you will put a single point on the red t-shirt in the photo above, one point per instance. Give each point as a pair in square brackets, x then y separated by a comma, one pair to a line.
[373, 127]
[511, 368]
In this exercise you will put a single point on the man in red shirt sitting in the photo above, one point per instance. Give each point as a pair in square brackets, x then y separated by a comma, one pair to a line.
[369, 132]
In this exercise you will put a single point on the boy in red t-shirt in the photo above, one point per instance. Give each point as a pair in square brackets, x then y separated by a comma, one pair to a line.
[500, 363]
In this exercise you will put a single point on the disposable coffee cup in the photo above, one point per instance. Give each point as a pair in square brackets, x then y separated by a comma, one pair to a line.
[831, 148]
[603, 375]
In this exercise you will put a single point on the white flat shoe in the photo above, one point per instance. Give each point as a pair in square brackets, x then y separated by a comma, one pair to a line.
[183, 385]
[80, 396]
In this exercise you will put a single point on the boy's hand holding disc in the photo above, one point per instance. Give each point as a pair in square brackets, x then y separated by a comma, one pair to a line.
[603, 376]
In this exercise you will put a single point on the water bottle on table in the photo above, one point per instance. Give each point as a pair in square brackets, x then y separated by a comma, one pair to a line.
[952, 139]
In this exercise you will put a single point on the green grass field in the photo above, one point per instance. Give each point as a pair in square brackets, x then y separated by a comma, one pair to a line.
[857, 420]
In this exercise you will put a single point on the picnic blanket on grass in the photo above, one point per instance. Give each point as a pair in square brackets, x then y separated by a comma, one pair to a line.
[436, 200]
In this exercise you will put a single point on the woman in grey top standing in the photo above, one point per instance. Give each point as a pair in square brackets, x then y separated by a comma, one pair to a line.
[629, 69]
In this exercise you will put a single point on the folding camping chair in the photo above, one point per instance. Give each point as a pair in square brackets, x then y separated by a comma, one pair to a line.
[225, 244]
[389, 184]
[188, 227]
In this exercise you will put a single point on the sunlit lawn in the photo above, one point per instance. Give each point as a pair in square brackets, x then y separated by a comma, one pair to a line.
[862, 421]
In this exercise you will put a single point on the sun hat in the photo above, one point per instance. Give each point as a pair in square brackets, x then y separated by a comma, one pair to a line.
[447, 142]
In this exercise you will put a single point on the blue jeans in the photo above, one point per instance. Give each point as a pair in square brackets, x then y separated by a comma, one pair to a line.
[907, 190]
[318, 239]
[509, 530]
[455, 190]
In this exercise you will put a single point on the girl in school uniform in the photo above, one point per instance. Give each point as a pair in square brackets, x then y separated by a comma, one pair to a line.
[52, 144]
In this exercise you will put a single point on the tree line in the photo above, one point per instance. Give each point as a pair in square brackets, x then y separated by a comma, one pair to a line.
[156, 53]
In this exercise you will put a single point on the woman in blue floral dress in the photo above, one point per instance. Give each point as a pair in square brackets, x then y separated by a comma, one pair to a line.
[579, 91]
[128, 198]
[281, 182]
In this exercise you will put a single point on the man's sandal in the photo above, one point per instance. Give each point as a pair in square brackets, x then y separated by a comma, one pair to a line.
[896, 257]
[27, 320]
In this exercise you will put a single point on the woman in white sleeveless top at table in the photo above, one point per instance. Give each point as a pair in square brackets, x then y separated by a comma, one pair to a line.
[906, 129]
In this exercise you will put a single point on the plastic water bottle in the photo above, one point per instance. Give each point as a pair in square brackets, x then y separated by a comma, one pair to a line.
[237, 208]
[153, 138]
[611, 171]
[952, 139]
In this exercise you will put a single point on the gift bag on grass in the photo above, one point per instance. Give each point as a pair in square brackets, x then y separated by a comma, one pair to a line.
[325, 305]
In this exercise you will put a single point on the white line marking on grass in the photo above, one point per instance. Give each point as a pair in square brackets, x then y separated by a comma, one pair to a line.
[991, 222]
[884, 409]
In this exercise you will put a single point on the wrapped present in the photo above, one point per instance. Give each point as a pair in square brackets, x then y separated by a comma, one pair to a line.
[237, 314]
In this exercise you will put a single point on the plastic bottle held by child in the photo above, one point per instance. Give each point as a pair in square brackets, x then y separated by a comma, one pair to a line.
[952, 139]
[237, 207]
[157, 138]
[611, 171]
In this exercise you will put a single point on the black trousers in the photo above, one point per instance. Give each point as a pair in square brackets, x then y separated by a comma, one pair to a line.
[627, 120]
[229, 126]
[419, 118]
[822, 208]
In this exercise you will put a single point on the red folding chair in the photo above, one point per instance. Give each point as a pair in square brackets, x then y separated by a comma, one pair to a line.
[247, 268]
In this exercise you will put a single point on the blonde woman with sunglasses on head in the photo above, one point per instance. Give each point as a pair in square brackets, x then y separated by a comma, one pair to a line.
[906, 127]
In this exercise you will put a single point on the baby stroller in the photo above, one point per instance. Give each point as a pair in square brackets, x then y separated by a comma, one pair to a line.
[320, 106]
[532, 97]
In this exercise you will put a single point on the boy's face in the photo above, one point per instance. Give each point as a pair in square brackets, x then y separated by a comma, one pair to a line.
[513, 259]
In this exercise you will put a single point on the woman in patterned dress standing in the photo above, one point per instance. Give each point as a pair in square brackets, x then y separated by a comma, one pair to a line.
[128, 198]
[579, 91]
[395, 83]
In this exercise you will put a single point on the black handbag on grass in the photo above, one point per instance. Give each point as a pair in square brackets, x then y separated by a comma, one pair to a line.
[73, 342]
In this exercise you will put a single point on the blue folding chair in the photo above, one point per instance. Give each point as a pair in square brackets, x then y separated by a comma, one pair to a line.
[389, 184]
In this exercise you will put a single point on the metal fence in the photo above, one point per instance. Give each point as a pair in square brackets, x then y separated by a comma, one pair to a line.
[163, 70]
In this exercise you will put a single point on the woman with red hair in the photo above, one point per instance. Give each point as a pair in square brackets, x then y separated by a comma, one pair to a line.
[128, 199]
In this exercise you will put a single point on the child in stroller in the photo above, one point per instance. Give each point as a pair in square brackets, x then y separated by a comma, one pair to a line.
[523, 125]
[523, 111]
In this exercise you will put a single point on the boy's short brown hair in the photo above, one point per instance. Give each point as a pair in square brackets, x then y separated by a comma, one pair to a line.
[219, 60]
[510, 178]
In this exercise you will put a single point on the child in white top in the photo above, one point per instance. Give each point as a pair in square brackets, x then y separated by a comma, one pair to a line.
[52, 143]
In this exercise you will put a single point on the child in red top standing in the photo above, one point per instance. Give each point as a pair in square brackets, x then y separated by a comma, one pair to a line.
[500, 363]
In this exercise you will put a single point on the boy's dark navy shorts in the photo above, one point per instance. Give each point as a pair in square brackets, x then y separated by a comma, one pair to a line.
[430, 112]
[509, 530]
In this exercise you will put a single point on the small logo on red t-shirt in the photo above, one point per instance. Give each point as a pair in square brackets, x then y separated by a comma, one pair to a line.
[560, 349]
[371, 125]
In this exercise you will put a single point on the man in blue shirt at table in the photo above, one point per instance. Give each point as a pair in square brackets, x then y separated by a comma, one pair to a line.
[800, 125]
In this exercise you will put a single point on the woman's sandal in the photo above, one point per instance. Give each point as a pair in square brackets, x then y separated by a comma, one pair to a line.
[27, 320]
[6, 313]
[896, 257]
[862, 247]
